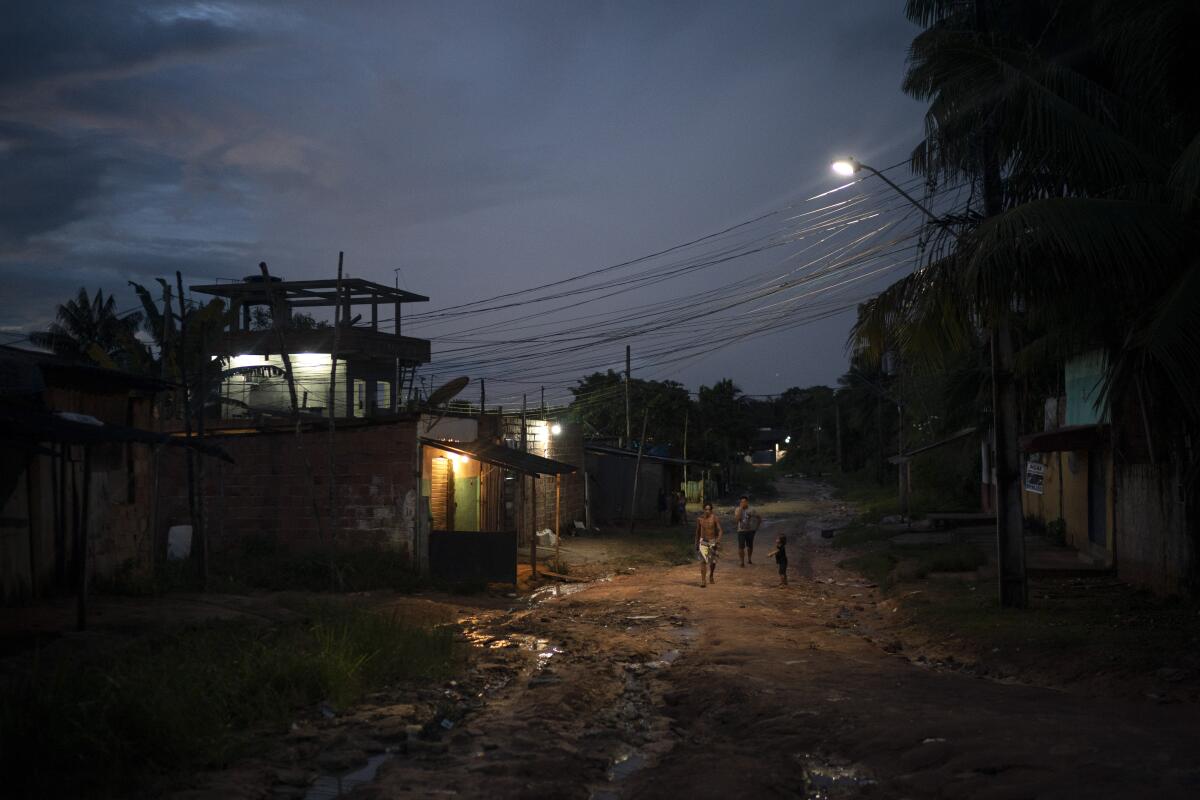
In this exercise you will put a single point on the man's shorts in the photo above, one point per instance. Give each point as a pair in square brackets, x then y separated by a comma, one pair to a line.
[783, 568]
[745, 539]
[708, 552]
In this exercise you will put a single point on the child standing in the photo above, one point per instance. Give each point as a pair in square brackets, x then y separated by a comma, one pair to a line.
[780, 553]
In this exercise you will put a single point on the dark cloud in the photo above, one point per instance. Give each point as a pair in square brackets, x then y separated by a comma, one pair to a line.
[48, 181]
[479, 146]
[40, 41]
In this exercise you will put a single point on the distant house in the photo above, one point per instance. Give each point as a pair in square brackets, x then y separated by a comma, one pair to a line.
[485, 494]
[769, 447]
[1094, 472]
[375, 368]
[610, 476]
[292, 481]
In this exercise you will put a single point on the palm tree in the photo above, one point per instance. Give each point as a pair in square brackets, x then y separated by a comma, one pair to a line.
[1073, 121]
[91, 329]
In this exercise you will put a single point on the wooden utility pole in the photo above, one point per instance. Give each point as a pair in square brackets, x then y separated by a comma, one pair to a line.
[543, 402]
[81, 542]
[524, 437]
[903, 460]
[685, 464]
[533, 531]
[482, 398]
[196, 517]
[637, 468]
[837, 421]
[157, 542]
[332, 403]
[557, 516]
[628, 429]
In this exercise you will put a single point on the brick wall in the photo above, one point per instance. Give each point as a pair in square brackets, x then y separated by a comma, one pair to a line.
[568, 448]
[272, 488]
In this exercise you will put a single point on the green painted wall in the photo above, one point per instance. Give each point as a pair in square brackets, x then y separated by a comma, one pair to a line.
[466, 504]
[1082, 377]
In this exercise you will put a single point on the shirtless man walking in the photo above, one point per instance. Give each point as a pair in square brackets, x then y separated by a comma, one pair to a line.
[708, 537]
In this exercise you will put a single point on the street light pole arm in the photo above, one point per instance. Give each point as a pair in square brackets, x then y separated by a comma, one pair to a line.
[941, 223]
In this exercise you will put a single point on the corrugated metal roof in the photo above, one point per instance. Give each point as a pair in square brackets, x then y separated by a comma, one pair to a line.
[507, 457]
[606, 450]
[31, 426]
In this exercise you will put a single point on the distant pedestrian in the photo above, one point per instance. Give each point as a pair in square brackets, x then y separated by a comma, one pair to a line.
[683, 508]
[673, 505]
[708, 541]
[780, 553]
[662, 504]
[747, 521]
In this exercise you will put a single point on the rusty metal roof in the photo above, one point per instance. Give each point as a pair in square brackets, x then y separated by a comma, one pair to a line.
[506, 457]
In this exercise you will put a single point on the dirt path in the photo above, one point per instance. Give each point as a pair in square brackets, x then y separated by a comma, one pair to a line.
[647, 685]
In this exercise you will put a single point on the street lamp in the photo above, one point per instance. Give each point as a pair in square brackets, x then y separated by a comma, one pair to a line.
[846, 166]
[1011, 542]
[849, 166]
[555, 429]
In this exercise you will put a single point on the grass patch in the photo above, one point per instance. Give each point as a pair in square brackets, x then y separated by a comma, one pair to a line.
[859, 534]
[655, 544]
[876, 566]
[888, 565]
[262, 562]
[1115, 629]
[113, 725]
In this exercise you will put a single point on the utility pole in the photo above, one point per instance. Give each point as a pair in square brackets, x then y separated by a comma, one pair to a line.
[637, 468]
[543, 402]
[482, 398]
[628, 430]
[837, 421]
[524, 436]
[685, 433]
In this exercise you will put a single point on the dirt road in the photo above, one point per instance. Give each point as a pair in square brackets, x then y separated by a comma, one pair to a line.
[647, 685]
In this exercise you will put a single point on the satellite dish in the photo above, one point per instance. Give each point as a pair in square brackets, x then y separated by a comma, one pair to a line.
[442, 395]
[447, 391]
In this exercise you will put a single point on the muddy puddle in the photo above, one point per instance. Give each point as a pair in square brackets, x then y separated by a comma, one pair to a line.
[556, 590]
[828, 779]
[330, 786]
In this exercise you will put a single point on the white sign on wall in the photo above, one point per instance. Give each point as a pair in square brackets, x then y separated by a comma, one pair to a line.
[1035, 477]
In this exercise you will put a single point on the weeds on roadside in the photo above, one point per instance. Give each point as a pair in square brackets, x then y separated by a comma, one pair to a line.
[110, 726]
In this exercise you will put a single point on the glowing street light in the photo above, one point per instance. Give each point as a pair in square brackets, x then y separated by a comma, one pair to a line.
[852, 166]
[846, 166]
[555, 429]
[787, 440]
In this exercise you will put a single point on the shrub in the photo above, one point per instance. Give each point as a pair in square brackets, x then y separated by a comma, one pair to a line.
[173, 704]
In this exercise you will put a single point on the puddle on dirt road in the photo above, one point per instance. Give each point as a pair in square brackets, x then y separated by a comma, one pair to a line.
[555, 590]
[626, 763]
[328, 787]
[828, 781]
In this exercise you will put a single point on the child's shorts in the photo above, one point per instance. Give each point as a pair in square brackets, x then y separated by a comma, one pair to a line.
[783, 568]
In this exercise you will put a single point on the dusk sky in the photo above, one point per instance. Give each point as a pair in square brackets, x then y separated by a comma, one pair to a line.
[480, 147]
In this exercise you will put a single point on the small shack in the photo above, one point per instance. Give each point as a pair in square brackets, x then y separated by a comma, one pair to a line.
[478, 495]
[77, 473]
[610, 476]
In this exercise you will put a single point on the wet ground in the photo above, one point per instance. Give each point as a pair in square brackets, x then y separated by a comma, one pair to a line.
[644, 685]
[647, 685]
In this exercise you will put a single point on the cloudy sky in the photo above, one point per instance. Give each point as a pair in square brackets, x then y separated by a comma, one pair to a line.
[479, 146]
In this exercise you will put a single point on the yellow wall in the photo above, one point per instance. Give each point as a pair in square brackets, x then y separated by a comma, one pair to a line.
[1067, 476]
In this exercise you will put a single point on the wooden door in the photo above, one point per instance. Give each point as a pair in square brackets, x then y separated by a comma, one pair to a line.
[441, 494]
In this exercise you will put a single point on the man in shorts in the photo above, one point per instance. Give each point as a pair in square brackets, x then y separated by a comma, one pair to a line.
[708, 539]
[747, 522]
